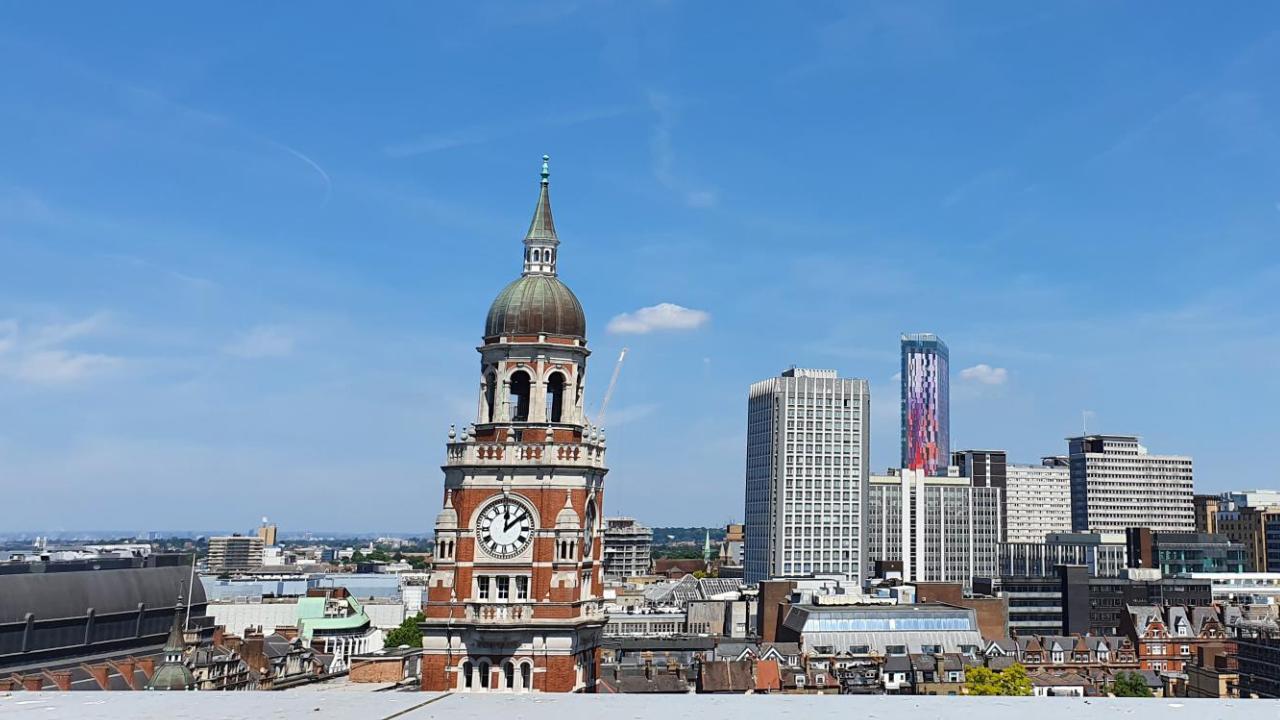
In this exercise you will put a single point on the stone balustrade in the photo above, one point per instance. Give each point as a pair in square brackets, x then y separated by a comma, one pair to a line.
[470, 452]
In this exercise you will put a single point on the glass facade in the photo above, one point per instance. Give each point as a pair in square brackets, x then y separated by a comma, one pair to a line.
[926, 412]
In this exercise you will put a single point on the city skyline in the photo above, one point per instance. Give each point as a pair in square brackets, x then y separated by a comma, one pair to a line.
[245, 278]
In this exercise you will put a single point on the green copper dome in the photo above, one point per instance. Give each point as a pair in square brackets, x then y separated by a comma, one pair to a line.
[533, 305]
[172, 676]
[538, 303]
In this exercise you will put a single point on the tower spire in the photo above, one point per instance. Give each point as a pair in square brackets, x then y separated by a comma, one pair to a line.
[173, 673]
[540, 242]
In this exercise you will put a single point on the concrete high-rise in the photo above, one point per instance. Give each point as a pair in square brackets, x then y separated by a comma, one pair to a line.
[985, 468]
[1037, 500]
[808, 435]
[628, 548]
[1116, 484]
[234, 552]
[926, 404]
[942, 529]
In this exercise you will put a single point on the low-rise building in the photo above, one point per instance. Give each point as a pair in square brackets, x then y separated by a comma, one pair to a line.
[1178, 553]
[1166, 637]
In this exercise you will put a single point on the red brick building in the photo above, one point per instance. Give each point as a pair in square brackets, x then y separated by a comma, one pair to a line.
[514, 603]
[1166, 637]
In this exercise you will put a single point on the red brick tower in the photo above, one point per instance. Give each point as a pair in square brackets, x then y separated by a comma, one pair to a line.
[514, 601]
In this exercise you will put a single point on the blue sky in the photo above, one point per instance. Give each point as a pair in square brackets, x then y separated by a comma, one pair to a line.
[246, 252]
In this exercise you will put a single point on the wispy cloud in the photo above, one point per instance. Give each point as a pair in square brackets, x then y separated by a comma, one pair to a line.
[985, 374]
[450, 139]
[629, 414]
[664, 160]
[263, 341]
[663, 316]
[39, 355]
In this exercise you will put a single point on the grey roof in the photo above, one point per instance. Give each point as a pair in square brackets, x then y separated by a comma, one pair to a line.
[915, 626]
[1000, 662]
[53, 596]
[897, 663]
[1006, 646]
[1202, 615]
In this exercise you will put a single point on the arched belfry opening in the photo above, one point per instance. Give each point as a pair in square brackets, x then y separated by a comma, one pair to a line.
[520, 396]
[490, 393]
[555, 397]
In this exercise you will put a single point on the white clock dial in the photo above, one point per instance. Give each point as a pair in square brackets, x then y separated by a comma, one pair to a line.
[505, 528]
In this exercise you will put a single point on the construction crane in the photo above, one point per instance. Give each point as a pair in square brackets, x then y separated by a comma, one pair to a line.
[613, 381]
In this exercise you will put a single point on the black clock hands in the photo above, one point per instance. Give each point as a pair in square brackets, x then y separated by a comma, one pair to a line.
[511, 522]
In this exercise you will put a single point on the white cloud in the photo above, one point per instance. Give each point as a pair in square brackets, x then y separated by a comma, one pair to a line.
[263, 341]
[985, 374]
[37, 356]
[663, 156]
[61, 366]
[663, 316]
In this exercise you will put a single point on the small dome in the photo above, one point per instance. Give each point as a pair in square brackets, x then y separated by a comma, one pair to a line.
[172, 676]
[533, 305]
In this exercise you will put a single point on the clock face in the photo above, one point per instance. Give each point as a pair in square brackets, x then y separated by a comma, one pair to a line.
[505, 528]
[589, 531]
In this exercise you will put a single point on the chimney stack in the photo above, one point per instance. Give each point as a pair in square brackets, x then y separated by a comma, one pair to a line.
[100, 673]
[32, 683]
[61, 679]
[125, 668]
[148, 665]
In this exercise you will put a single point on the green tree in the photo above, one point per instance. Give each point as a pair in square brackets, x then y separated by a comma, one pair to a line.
[357, 557]
[407, 634]
[1130, 684]
[1012, 680]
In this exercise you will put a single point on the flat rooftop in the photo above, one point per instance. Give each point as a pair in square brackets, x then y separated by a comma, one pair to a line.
[422, 706]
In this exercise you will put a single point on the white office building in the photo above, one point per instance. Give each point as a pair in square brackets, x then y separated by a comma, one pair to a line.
[1037, 500]
[1117, 484]
[808, 435]
[942, 529]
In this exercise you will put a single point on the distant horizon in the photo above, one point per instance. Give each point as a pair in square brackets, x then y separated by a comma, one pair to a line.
[103, 535]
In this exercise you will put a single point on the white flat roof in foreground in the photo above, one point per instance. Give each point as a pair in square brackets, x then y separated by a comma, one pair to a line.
[425, 706]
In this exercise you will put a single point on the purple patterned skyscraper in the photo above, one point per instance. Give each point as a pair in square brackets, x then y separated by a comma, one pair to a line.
[926, 400]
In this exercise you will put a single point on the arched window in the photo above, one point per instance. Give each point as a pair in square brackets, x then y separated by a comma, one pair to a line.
[509, 675]
[520, 396]
[537, 255]
[526, 676]
[490, 390]
[555, 397]
[467, 671]
[484, 674]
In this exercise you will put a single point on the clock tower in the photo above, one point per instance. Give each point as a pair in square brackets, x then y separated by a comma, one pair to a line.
[514, 603]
